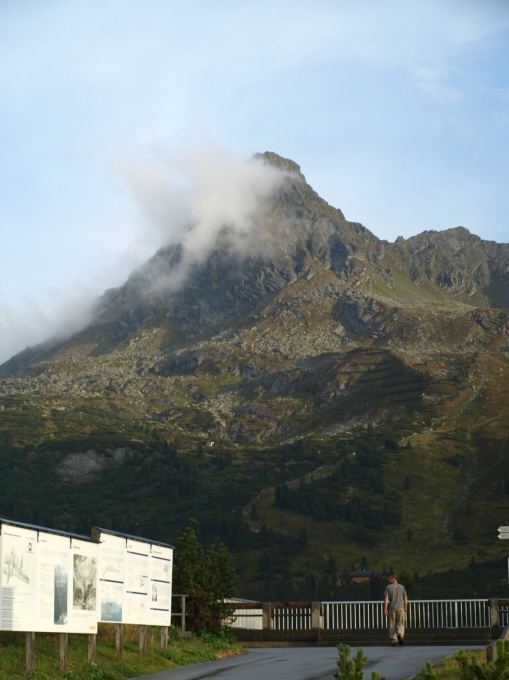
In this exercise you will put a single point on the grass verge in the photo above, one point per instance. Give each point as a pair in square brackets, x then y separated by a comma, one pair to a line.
[180, 652]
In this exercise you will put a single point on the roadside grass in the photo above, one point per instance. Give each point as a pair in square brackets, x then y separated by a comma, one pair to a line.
[451, 663]
[455, 667]
[463, 665]
[180, 652]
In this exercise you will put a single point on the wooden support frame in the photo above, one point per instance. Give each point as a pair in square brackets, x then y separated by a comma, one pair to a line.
[64, 652]
[119, 640]
[143, 640]
[92, 648]
[30, 653]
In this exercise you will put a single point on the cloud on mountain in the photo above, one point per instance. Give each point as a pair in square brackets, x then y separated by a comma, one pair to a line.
[190, 198]
[195, 198]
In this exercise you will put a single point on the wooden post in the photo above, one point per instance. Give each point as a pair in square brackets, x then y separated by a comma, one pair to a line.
[491, 652]
[183, 613]
[143, 640]
[119, 640]
[494, 615]
[164, 637]
[266, 616]
[64, 648]
[315, 614]
[30, 653]
[92, 648]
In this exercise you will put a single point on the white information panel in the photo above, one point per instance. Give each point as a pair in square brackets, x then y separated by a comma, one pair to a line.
[134, 580]
[160, 585]
[85, 606]
[48, 581]
[137, 582]
[112, 552]
[18, 578]
[54, 582]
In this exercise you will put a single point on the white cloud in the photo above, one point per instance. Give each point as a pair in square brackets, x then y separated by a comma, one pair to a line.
[194, 197]
[37, 320]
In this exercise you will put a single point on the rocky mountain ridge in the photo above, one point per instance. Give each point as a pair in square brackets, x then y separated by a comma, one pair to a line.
[322, 286]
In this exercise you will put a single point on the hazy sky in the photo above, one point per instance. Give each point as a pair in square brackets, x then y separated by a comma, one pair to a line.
[397, 112]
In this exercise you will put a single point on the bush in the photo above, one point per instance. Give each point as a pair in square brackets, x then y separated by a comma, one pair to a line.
[352, 669]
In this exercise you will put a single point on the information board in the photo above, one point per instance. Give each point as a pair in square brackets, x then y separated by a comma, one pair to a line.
[48, 581]
[51, 581]
[135, 578]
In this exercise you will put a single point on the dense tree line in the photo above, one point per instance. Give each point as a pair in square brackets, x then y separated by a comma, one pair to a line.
[328, 499]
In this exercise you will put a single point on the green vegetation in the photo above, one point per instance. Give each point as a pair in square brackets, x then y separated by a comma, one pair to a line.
[207, 578]
[180, 652]
[470, 666]
[292, 514]
[353, 669]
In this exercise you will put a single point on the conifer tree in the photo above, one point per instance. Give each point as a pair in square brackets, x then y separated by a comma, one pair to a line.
[208, 579]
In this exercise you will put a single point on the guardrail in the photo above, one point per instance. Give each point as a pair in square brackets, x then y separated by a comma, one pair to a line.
[369, 615]
[421, 614]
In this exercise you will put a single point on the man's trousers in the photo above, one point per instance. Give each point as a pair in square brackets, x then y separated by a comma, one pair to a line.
[397, 622]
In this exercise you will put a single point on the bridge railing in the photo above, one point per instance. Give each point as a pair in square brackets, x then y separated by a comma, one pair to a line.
[421, 614]
[450, 614]
[353, 615]
[369, 615]
[292, 617]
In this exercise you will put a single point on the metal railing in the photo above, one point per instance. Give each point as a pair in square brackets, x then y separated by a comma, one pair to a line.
[503, 612]
[357, 615]
[291, 617]
[421, 614]
[353, 615]
[449, 614]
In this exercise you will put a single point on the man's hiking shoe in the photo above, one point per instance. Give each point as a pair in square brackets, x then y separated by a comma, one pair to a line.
[394, 644]
[400, 639]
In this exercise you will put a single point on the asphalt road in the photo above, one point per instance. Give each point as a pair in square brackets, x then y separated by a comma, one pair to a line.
[308, 663]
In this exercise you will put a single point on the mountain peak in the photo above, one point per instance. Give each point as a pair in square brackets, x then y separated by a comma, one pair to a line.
[277, 161]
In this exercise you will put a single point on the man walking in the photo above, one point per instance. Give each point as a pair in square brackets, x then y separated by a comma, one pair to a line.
[395, 605]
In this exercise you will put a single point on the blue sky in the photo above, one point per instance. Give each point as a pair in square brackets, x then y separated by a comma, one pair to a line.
[397, 112]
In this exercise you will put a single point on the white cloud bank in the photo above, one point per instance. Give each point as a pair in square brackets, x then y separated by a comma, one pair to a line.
[193, 198]
[34, 322]
[190, 198]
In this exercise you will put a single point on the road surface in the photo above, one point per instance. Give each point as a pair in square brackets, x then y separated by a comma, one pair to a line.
[308, 663]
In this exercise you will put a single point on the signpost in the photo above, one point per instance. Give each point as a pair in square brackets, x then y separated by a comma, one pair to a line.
[503, 533]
